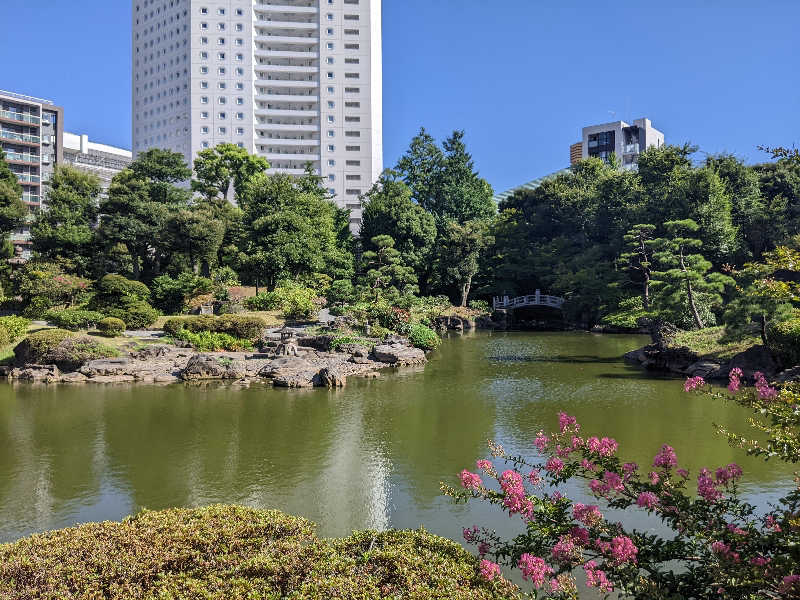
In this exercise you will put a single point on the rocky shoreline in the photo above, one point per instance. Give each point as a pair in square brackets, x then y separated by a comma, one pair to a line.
[305, 362]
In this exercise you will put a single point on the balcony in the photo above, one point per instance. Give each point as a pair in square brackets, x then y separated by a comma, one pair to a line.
[21, 117]
[264, 7]
[287, 83]
[31, 198]
[19, 137]
[286, 171]
[271, 24]
[32, 159]
[310, 55]
[282, 127]
[289, 142]
[285, 156]
[287, 112]
[631, 149]
[285, 69]
[27, 178]
[266, 37]
[288, 97]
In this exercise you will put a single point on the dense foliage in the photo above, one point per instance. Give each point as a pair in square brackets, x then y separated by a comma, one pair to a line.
[236, 552]
[719, 546]
[61, 348]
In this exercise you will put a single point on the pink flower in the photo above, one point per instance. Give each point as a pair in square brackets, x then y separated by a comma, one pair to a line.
[565, 422]
[654, 477]
[647, 500]
[789, 583]
[623, 549]
[587, 514]
[683, 473]
[534, 569]
[534, 477]
[483, 548]
[484, 465]
[598, 487]
[588, 465]
[666, 457]
[554, 465]
[765, 392]
[706, 487]
[555, 585]
[470, 481]
[773, 524]
[604, 447]
[597, 578]
[489, 570]
[580, 535]
[565, 549]
[470, 535]
[613, 480]
[724, 550]
[629, 468]
[541, 442]
[759, 561]
[692, 383]
[734, 379]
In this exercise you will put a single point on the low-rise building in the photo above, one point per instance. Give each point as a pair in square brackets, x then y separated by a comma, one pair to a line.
[620, 138]
[98, 159]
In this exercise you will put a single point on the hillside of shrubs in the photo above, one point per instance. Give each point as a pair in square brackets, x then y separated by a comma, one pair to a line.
[225, 552]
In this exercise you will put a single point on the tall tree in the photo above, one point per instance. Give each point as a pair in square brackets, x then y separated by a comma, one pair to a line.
[638, 259]
[12, 208]
[685, 283]
[64, 233]
[458, 252]
[389, 210]
[386, 277]
[197, 235]
[216, 169]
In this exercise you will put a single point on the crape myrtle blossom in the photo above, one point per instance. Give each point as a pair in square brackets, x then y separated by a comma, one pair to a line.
[712, 528]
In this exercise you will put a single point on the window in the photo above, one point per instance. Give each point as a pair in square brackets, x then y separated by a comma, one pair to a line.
[203, 25]
[222, 100]
[240, 57]
[351, 61]
[331, 147]
[239, 12]
[351, 17]
[330, 90]
[329, 60]
[203, 40]
[352, 104]
[220, 56]
[240, 86]
[329, 45]
[240, 116]
[353, 163]
[203, 11]
[351, 31]
[240, 131]
[221, 85]
[330, 75]
[204, 100]
[204, 129]
[331, 163]
[240, 101]
[352, 134]
[331, 191]
[203, 85]
[352, 192]
[221, 11]
[222, 115]
[239, 27]
[353, 148]
[330, 118]
[331, 133]
[204, 115]
[330, 17]
[351, 46]
[353, 177]
[205, 144]
[221, 41]
[239, 71]
[204, 55]
[221, 26]
[331, 177]
[331, 104]
[204, 70]
[352, 76]
[329, 31]
[352, 119]
[222, 130]
[352, 90]
[221, 71]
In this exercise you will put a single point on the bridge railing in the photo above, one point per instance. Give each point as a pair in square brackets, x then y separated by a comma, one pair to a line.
[537, 299]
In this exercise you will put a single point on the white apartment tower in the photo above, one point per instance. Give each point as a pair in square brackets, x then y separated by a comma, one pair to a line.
[295, 81]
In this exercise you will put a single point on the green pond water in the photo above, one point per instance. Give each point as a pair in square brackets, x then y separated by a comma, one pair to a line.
[369, 456]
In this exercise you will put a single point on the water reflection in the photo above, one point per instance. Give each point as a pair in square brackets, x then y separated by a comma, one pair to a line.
[371, 455]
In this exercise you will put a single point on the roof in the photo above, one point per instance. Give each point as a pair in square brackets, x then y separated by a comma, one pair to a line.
[72, 141]
[531, 185]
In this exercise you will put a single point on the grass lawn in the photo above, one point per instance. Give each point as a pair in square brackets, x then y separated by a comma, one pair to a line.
[711, 343]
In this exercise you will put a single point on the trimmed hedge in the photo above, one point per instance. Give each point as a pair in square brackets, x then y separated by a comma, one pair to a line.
[59, 347]
[136, 314]
[424, 337]
[235, 552]
[5, 336]
[111, 327]
[74, 319]
[211, 341]
[238, 326]
[783, 340]
[16, 326]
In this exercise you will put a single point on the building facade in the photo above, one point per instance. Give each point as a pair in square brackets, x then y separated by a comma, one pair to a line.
[294, 81]
[624, 140]
[100, 160]
[575, 152]
[32, 139]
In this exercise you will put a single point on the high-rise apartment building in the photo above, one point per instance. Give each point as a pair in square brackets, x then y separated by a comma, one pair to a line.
[32, 138]
[624, 140]
[294, 81]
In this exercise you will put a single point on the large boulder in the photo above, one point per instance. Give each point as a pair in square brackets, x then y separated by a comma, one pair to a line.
[755, 358]
[207, 366]
[398, 354]
[331, 377]
[290, 371]
[104, 367]
[36, 373]
[702, 368]
[151, 352]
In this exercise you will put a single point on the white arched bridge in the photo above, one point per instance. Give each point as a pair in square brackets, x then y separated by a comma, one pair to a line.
[537, 299]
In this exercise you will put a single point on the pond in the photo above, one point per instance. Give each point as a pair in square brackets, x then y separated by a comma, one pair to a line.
[371, 455]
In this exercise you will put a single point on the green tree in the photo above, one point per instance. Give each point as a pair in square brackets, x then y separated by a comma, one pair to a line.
[386, 277]
[458, 254]
[389, 210]
[216, 169]
[12, 208]
[196, 234]
[638, 259]
[65, 231]
[163, 169]
[686, 280]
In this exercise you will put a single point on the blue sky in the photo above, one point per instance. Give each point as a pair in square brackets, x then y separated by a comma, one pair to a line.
[520, 76]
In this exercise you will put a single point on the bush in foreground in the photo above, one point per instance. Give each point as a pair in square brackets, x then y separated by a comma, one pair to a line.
[236, 552]
[783, 340]
[74, 319]
[59, 347]
[424, 337]
[16, 326]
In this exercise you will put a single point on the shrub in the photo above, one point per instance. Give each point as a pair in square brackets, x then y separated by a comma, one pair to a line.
[172, 296]
[59, 347]
[193, 323]
[39, 344]
[111, 327]
[424, 337]
[627, 315]
[210, 341]
[225, 276]
[296, 301]
[112, 288]
[43, 285]
[16, 326]
[249, 328]
[5, 336]
[37, 307]
[73, 318]
[347, 340]
[481, 305]
[783, 341]
[136, 314]
[238, 552]
[263, 301]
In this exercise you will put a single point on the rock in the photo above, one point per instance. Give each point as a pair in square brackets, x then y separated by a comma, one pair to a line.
[105, 366]
[398, 354]
[205, 366]
[317, 342]
[755, 358]
[485, 322]
[358, 350]
[5, 370]
[74, 377]
[702, 368]
[359, 360]
[39, 373]
[331, 377]
[789, 375]
[165, 379]
[638, 356]
[150, 352]
[290, 371]
[112, 379]
[286, 349]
